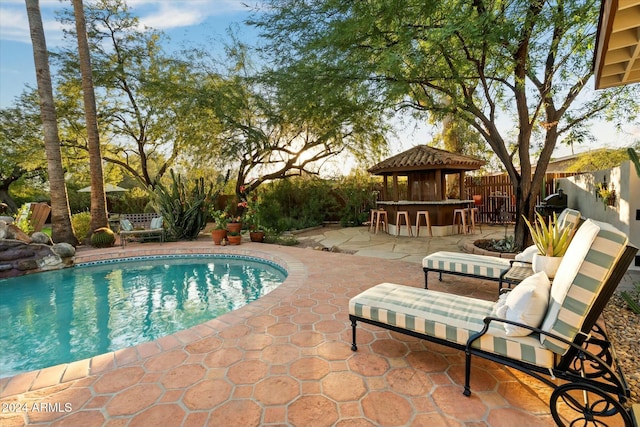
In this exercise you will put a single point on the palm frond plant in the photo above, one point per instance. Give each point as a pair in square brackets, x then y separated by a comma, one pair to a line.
[551, 239]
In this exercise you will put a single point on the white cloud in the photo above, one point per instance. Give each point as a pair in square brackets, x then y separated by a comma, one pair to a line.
[15, 24]
[157, 14]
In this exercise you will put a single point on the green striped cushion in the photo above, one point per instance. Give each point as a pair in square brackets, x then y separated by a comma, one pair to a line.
[450, 317]
[478, 265]
[574, 289]
[569, 217]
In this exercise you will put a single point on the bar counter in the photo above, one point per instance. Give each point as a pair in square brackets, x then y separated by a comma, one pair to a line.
[440, 212]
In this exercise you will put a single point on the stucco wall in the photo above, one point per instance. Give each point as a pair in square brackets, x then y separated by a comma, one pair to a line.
[624, 215]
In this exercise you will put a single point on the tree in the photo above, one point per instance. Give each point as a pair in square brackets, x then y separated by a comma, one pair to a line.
[21, 148]
[483, 62]
[140, 91]
[272, 130]
[62, 231]
[98, 197]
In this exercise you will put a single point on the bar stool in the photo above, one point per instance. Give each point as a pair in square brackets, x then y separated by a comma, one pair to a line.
[372, 219]
[405, 215]
[463, 219]
[382, 213]
[474, 216]
[426, 218]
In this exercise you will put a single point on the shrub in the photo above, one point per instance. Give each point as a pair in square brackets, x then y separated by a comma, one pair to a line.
[81, 222]
[102, 238]
[23, 219]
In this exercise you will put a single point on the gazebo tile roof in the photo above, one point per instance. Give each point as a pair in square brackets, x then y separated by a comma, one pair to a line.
[423, 157]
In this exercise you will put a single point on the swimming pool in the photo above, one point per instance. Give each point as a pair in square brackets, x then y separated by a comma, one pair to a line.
[72, 314]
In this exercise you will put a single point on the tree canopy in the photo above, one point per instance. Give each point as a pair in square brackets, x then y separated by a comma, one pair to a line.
[516, 68]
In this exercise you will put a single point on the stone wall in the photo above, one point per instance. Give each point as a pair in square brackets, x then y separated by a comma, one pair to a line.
[22, 254]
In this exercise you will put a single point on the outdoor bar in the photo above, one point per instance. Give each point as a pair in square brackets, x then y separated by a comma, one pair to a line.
[424, 178]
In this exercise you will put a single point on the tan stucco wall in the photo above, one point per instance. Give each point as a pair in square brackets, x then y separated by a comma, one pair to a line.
[581, 193]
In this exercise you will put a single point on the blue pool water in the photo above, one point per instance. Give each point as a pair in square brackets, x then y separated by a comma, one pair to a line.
[72, 314]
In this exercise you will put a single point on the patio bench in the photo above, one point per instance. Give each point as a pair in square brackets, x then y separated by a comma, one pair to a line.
[545, 331]
[143, 230]
[485, 266]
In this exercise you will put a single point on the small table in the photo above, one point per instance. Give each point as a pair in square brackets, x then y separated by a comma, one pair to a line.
[515, 274]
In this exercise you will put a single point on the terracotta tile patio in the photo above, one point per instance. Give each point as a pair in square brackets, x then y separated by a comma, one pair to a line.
[282, 360]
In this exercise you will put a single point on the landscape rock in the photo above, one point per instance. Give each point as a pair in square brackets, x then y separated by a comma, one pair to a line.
[40, 237]
[64, 250]
[18, 258]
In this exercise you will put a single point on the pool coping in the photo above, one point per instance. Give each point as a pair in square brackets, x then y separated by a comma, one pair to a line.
[72, 371]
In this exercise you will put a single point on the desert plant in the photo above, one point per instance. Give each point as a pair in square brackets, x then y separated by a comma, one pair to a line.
[551, 239]
[185, 208]
[102, 238]
[80, 223]
[634, 159]
[632, 298]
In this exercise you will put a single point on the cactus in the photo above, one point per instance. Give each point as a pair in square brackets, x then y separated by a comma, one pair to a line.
[184, 209]
[634, 158]
[102, 238]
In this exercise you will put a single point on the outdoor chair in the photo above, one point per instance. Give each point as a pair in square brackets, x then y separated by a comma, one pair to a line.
[37, 215]
[545, 331]
[487, 267]
[155, 231]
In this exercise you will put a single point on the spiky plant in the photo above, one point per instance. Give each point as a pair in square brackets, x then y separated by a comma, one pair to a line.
[184, 208]
[102, 238]
[551, 239]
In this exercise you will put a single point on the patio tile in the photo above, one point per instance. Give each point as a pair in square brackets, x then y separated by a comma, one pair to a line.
[236, 413]
[286, 359]
[158, 415]
[313, 411]
[133, 399]
[387, 408]
[117, 380]
[207, 394]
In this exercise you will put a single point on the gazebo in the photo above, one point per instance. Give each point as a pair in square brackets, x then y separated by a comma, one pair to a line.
[425, 178]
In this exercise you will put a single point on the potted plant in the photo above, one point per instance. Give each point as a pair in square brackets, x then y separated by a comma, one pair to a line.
[251, 220]
[219, 231]
[607, 195]
[234, 237]
[552, 241]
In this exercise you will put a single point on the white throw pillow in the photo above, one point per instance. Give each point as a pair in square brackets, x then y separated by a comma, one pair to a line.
[126, 225]
[156, 223]
[527, 304]
[527, 254]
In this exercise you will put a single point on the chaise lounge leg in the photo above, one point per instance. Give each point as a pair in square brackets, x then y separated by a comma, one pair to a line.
[354, 347]
[467, 374]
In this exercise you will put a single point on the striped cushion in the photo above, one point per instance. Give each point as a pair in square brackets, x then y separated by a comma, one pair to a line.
[477, 265]
[576, 292]
[569, 217]
[449, 317]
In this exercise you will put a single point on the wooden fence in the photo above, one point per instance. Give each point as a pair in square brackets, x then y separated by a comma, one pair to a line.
[497, 198]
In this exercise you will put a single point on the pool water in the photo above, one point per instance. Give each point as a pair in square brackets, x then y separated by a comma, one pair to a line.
[72, 314]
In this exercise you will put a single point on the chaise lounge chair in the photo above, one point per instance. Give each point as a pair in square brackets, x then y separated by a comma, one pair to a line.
[484, 266]
[538, 331]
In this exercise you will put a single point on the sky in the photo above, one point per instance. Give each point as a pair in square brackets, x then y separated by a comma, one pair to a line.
[196, 23]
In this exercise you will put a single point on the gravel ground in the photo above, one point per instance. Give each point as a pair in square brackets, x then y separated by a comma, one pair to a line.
[623, 329]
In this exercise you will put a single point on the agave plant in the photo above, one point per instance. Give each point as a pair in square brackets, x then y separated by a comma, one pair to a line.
[551, 239]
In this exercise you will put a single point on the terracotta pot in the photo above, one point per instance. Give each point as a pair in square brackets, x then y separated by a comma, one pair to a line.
[548, 264]
[234, 240]
[256, 236]
[218, 235]
[234, 227]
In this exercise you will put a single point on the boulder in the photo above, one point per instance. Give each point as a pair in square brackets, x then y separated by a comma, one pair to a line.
[14, 232]
[40, 237]
[64, 250]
